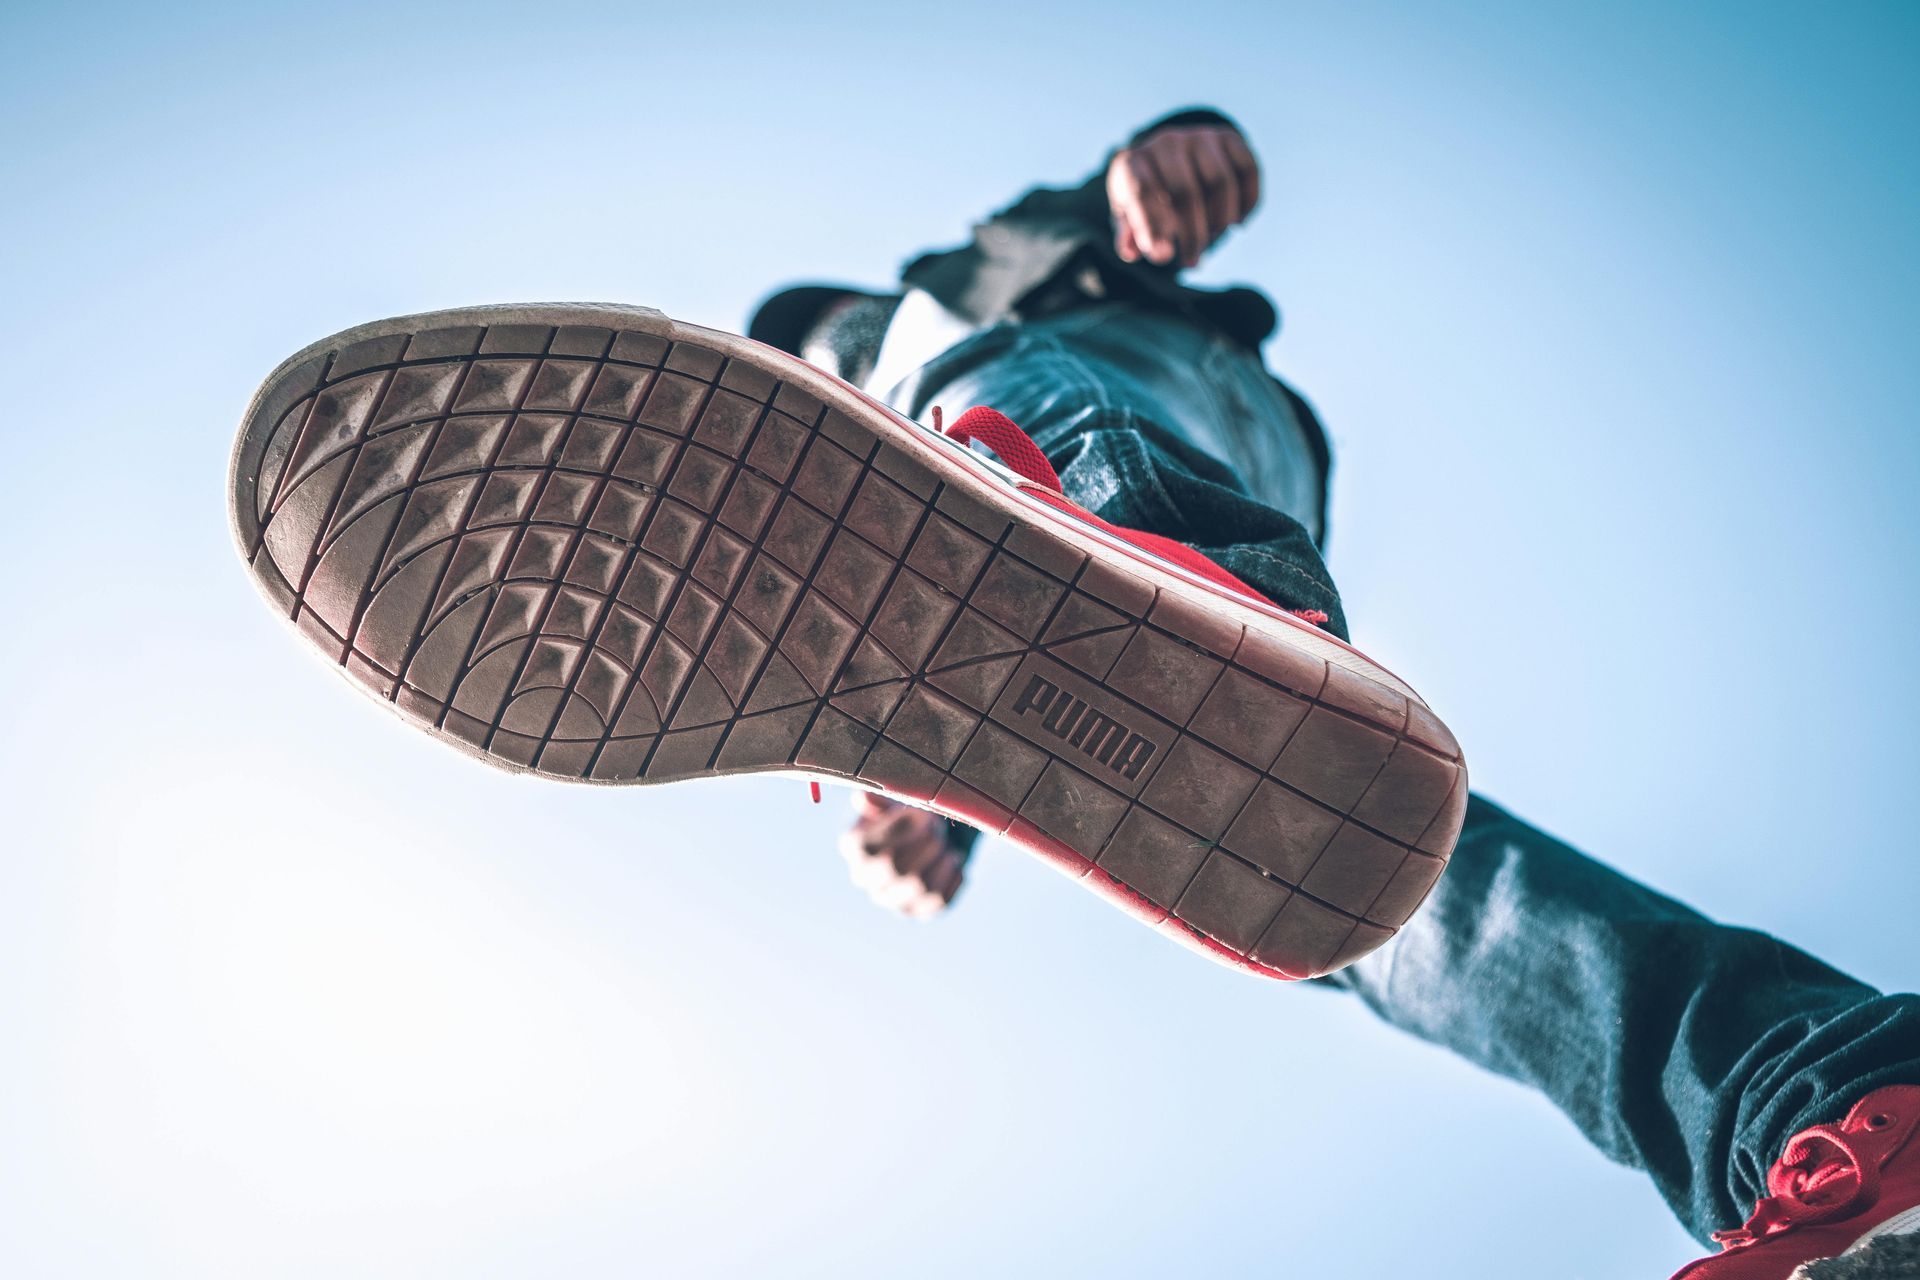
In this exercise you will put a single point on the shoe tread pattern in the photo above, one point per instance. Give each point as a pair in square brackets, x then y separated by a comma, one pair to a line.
[607, 555]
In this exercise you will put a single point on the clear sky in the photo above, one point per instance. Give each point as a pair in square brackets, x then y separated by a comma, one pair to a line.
[1611, 311]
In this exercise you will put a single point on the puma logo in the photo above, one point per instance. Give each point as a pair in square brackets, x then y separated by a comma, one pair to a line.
[1096, 735]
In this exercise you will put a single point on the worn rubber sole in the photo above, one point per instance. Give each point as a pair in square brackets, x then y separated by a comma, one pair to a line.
[601, 545]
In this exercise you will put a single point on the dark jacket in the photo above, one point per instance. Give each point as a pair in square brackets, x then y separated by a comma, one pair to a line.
[1049, 251]
[1054, 246]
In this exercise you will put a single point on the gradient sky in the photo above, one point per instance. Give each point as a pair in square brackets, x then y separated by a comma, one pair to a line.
[1612, 313]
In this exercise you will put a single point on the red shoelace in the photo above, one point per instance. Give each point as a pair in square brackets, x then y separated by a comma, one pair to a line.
[1820, 1177]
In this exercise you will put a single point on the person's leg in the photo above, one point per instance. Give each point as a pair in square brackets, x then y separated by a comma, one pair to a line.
[1677, 1045]
[1152, 426]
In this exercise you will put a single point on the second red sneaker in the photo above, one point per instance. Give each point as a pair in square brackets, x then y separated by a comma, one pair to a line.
[597, 544]
[1835, 1190]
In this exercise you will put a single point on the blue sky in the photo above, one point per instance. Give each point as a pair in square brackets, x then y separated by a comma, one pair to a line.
[1612, 316]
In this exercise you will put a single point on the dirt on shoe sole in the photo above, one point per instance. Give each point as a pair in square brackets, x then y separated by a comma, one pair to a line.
[598, 544]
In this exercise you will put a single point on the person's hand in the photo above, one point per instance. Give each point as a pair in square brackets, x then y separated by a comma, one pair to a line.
[901, 856]
[1178, 191]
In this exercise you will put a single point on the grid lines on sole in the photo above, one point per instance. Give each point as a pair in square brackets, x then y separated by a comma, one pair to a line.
[602, 554]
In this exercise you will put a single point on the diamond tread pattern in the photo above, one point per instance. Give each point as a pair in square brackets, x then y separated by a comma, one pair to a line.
[601, 554]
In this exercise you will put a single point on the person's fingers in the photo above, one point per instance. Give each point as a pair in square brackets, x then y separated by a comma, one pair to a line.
[874, 877]
[881, 871]
[866, 844]
[849, 845]
[894, 824]
[944, 880]
[915, 854]
[901, 856]
[1219, 185]
[912, 870]
[1126, 195]
[936, 886]
[1161, 217]
[1245, 166]
[1183, 189]
[862, 843]
[877, 839]
[867, 867]
[896, 895]
[1174, 195]
[871, 804]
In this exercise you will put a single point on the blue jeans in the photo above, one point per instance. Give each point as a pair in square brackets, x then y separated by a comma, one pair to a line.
[1155, 424]
[1677, 1045]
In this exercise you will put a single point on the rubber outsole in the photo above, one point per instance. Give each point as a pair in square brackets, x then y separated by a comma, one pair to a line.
[597, 544]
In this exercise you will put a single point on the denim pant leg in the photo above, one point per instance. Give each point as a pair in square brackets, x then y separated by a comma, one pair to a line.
[1687, 1048]
[1145, 417]
[1683, 1047]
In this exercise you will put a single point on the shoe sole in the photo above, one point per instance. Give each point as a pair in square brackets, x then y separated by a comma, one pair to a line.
[598, 544]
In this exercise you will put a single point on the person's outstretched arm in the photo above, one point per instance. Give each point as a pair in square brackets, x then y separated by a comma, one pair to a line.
[1154, 206]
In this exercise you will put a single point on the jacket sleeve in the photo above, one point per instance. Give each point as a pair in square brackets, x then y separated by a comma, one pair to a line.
[1057, 241]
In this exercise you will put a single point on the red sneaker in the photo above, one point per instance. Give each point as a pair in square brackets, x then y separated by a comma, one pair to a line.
[601, 545]
[1834, 1188]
